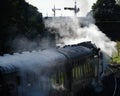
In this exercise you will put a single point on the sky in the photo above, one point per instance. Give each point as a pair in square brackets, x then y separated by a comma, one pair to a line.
[45, 6]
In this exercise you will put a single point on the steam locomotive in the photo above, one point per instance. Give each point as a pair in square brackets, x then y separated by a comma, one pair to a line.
[50, 72]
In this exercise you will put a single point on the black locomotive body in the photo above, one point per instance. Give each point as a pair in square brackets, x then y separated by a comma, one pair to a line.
[51, 72]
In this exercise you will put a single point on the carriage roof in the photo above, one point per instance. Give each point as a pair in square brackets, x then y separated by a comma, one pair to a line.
[37, 60]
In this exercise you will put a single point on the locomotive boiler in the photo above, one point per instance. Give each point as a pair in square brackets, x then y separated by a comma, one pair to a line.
[50, 72]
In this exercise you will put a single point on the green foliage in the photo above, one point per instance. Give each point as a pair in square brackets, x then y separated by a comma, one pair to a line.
[106, 10]
[116, 57]
[18, 18]
[116, 60]
[118, 47]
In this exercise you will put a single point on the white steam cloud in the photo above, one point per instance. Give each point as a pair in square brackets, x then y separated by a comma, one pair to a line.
[76, 30]
[35, 69]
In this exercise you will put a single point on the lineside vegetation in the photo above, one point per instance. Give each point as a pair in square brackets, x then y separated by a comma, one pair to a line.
[116, 57]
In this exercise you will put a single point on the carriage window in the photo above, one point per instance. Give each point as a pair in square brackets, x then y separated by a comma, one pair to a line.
[76, 70]
[58, 79]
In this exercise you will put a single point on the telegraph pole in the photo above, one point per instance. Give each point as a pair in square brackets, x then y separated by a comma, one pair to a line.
[75, 8]
[54, 10]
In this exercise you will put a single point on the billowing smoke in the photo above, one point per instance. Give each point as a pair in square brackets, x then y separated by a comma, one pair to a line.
[22, 43]
[76, 30]
[34, 68]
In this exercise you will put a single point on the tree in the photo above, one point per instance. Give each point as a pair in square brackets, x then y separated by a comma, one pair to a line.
[18, 18]
[106, 10]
